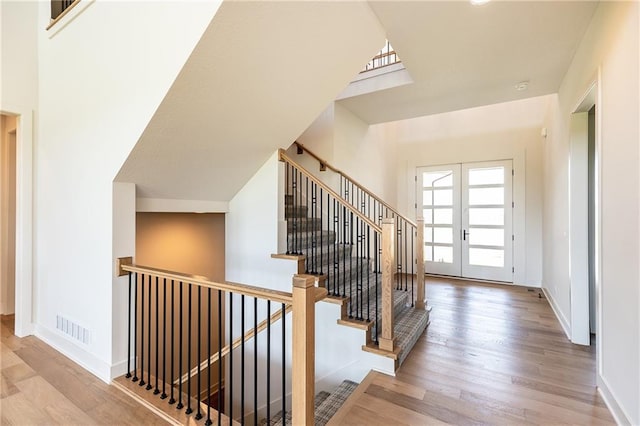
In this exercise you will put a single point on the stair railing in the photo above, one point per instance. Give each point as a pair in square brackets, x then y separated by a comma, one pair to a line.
[176, 335]
[409, 241]
[343, 248]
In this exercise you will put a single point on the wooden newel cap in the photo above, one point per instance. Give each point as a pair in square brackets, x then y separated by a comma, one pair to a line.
[304, 281]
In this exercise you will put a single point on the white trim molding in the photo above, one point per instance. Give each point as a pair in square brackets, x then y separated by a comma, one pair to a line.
[24, 323]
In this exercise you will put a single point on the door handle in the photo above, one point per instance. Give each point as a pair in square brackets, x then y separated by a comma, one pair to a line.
[464, 234]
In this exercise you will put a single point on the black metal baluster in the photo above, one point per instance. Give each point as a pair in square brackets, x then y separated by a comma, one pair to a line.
[208, 421]
[142, 280]
[287, 197]
[164, 338]
[377, 281]
[156, 391]
[336, 230]
[406, 254]
[306, 241]
[413, 262]
[149, 387]
[242, 331]
[180, 405]
[255, 361]
[135, 329]
[284, 364]
[313, 234]
[321, 268]
[398, 279]
[358, 270]
[230, 355]
[220, 407]
[294, 186]
[172, 400]
[198, 356]
[189, 409]
[351, 299]
[268, 381]
[368, 245]
[344, 255]
[129, 332]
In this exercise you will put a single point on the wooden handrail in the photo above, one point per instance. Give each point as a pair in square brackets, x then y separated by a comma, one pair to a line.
[62, 14]
[365, 219]
[346, 176]
[320, 293]
[247, 290]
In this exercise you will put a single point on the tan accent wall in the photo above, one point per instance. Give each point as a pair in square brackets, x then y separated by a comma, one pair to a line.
[191, 243]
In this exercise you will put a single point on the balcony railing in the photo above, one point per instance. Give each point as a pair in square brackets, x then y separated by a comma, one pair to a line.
[386, 56]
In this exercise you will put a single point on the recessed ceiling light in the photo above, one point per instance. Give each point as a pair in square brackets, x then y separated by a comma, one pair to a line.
[479, 2]
[522, 86]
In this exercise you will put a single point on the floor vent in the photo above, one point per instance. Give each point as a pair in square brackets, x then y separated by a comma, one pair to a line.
[72, 329]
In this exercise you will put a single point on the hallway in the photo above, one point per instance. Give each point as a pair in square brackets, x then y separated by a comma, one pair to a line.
[493, 354]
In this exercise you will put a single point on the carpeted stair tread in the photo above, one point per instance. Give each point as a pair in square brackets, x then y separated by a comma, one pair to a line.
[318, 400]
[291, 211]
[408, 329]
[332, 404]
[322, 238]
[401, 299]
[302, 224]
[326, 254]
[350, 269]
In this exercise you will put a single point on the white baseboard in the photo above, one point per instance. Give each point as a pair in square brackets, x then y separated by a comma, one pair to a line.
[556, 310]
[610, 400]
[71, 350]
[120, 368]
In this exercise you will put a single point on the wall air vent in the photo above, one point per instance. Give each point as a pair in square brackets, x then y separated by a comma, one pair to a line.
[72, 329]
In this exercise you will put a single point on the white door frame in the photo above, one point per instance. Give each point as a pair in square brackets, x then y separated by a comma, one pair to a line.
[578, 219]
[24, 219]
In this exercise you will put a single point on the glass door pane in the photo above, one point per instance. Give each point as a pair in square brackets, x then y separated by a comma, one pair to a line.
[439, 201]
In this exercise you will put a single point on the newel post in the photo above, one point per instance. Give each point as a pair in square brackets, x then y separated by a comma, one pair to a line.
[420, 298]
[303, 348]
[387, 340]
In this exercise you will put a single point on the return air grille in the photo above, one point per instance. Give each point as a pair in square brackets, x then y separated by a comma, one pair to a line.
[72, 329]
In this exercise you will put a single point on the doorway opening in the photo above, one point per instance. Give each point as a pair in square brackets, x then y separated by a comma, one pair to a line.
[8, 162]
[467, 210]
[584, 220]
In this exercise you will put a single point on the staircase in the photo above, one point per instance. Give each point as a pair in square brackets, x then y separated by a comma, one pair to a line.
[353, 281]
[325, 404]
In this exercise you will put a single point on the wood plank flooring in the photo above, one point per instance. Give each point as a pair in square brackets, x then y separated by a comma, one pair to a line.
[40, 386]
[493, 354]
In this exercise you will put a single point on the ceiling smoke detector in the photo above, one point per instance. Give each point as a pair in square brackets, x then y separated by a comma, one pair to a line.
[523, 85]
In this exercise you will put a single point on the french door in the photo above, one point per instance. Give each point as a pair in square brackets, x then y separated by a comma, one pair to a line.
[467, 213]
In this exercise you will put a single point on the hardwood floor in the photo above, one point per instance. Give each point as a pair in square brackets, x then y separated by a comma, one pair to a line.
[39, 386]
[493, 354]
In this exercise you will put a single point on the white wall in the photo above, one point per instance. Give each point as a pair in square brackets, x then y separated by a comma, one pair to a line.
[610, 48]
[19, 41]
[363, 152]
[102, 76]
[251, 236]
[510, 130]
[19, 96]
